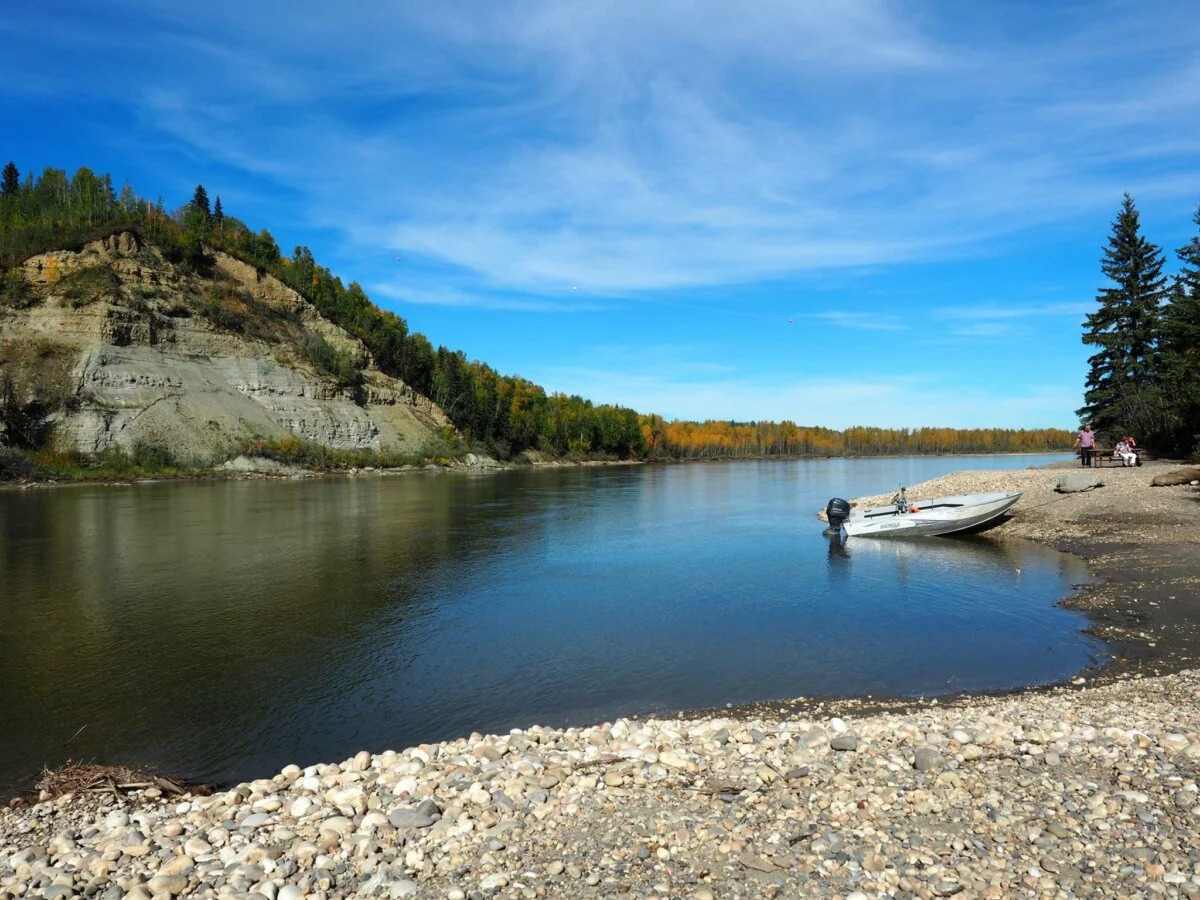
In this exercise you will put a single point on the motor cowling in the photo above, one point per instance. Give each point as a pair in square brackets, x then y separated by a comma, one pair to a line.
[837, 512]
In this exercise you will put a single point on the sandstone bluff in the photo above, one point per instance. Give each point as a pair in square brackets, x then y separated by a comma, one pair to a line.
[124, 347]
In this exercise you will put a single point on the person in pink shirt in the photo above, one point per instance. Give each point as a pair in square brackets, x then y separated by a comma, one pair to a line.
[1086, 442]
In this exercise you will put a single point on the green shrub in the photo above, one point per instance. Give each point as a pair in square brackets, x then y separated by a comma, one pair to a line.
[323, 357]
[15, 465]
[22, 425]
[152, 457]
[15, 291]
[84, 286]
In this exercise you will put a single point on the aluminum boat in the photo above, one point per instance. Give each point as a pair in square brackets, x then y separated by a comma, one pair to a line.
[902, 518]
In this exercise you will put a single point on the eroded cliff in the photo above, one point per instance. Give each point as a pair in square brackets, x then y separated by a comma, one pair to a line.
[119, 346]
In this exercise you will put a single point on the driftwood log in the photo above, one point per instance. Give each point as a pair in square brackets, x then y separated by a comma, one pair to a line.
[1176, 477]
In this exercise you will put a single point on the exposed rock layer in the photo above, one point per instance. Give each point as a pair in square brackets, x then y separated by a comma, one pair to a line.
[122, 345]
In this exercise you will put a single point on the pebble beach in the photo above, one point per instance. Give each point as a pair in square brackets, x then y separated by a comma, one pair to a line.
[1085, 789]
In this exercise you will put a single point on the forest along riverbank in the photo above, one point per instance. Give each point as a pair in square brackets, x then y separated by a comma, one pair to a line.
[1089, 789]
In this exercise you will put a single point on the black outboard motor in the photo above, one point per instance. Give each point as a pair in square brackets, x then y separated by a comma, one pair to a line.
[838, 511]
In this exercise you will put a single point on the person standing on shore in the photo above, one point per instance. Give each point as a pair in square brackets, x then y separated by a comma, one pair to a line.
[1086, 442]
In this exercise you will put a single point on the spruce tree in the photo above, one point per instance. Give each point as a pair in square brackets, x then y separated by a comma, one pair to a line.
[1124, 391]
[12, 180]
[200, 201]
[1181, 344]
[218, 213]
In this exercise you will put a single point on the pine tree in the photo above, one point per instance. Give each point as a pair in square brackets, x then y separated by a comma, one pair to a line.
[12, 180]
[1181, 344]
[1124, 392]
[218, 213]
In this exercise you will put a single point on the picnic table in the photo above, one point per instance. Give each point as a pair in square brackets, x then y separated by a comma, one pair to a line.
[1101, 456]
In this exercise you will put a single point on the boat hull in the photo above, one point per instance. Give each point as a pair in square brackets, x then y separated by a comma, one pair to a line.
[941, 515]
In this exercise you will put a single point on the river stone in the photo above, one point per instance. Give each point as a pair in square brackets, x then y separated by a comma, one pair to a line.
[1077, 482]
[409, 818]
[254, 820]
[813, 738]
[926, 759]
[349, 800]
[672, 759]
[429, 807]
[844, 742]
[339, 825]
[493, 882]
[167, 884]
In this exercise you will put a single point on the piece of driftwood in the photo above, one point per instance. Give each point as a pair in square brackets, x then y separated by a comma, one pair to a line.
[1176, 477]
[76, 734]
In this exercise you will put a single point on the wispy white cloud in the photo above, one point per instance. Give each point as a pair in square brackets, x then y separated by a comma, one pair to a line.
[1017, 311]
[438, 295]
[991, 321]
[981, 330]
[862, 320]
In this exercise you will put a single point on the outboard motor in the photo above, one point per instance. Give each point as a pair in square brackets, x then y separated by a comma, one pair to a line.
[838, 511]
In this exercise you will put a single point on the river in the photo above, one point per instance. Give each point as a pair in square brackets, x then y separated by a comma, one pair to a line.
[220, 630]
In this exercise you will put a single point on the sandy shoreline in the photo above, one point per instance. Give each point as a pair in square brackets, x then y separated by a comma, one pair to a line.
[1076, 790]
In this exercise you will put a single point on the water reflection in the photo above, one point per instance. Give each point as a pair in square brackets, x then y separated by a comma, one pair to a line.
[838, 556]
[972, 558]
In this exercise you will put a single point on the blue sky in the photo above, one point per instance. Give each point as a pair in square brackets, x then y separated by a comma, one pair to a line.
[862, 212]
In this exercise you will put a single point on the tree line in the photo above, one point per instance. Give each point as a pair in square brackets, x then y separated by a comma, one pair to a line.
[502, 415]
[1144, 378]
[728, 440]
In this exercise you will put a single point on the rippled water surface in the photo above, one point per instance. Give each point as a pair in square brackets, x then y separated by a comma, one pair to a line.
[222, 630]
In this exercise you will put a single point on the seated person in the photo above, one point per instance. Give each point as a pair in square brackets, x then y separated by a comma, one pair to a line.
[1123, 452]
[1133, 448]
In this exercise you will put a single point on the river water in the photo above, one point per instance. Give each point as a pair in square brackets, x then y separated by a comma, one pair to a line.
[221, 630]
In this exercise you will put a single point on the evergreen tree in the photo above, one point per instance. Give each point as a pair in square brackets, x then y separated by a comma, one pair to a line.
[1124, 391]
[196, 219]
[200, 201]
[12, 180]
[1181, 344]
[218, 213]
